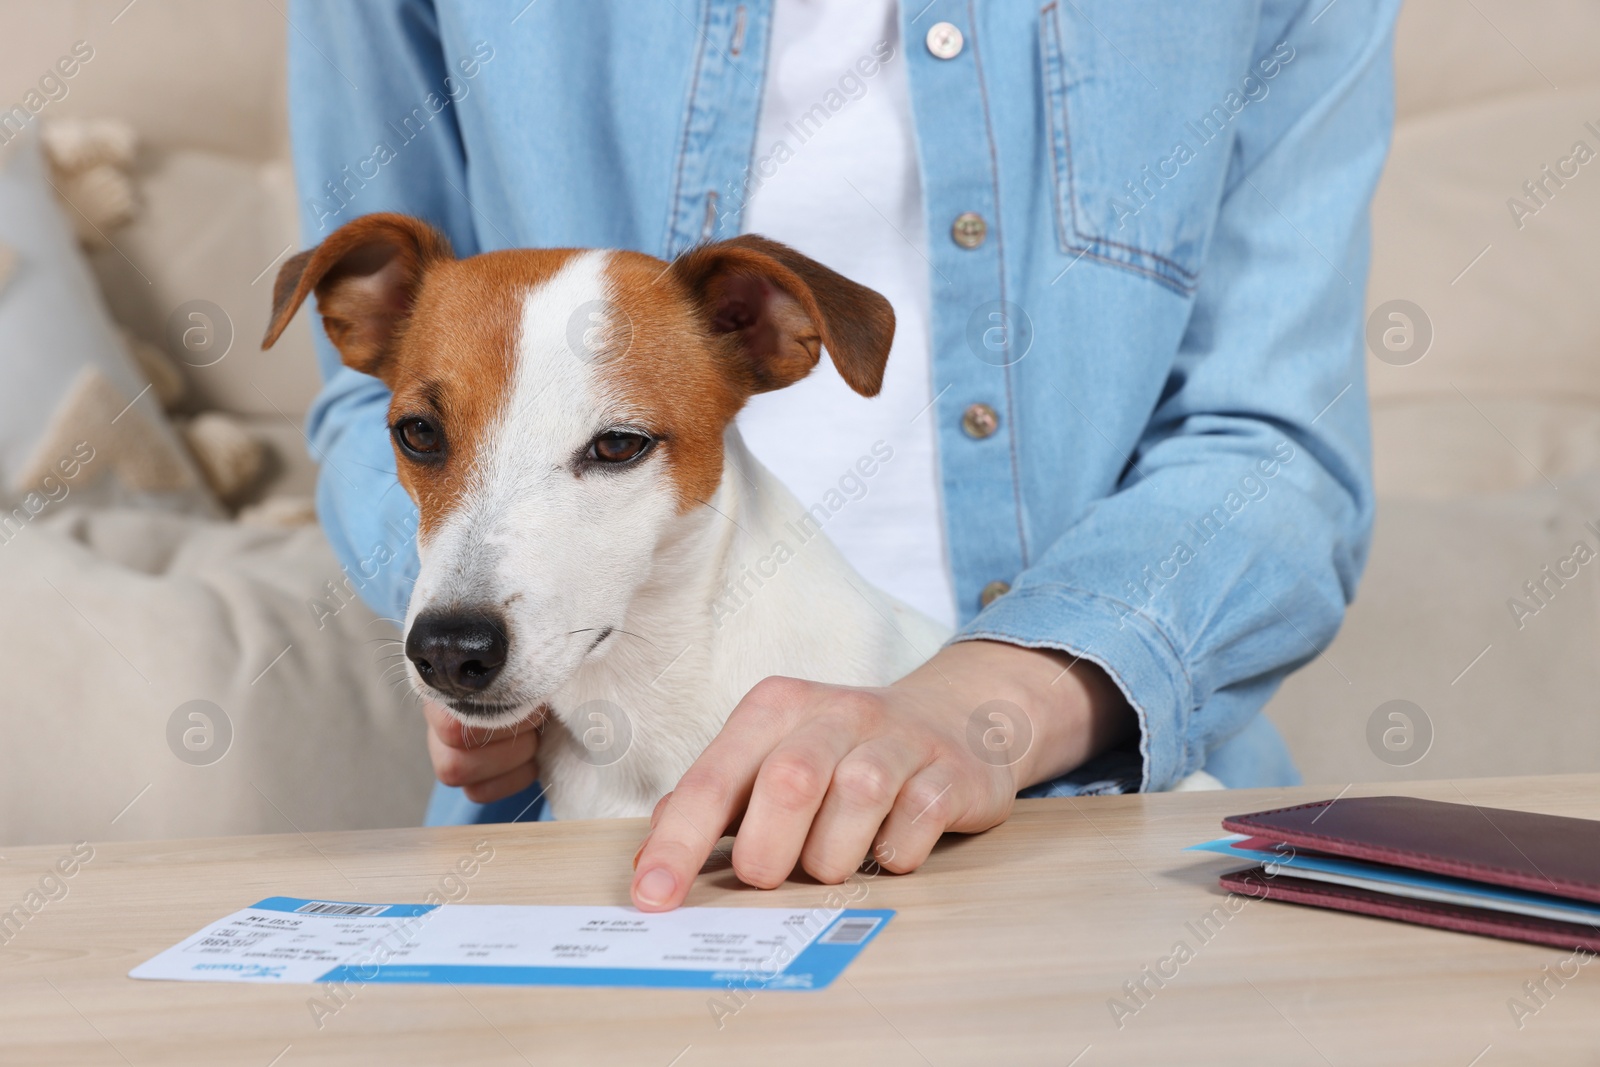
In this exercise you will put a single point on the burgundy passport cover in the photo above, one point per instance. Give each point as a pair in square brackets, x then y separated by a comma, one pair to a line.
[1255, 882]
[1549, 854]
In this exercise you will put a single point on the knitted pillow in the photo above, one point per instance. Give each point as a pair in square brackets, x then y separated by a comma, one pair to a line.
[77, 418]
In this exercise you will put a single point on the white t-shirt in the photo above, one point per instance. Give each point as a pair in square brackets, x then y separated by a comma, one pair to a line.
[835, 176]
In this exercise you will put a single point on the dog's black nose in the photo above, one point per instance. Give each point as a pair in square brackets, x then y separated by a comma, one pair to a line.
[457, 652]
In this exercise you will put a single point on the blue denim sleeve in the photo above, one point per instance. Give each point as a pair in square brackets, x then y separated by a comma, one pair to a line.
[372, 129]
[1231, 547]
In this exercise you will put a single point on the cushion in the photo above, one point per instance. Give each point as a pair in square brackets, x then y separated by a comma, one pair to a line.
[1434, 448]
[1443, 200]
[1514, 361]
[1448, 53]
[76, 415]
[209, 235]
[183, 72]
[218, 677]
[1502, 689]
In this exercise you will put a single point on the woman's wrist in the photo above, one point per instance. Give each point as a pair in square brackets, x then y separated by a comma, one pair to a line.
[1070, 709]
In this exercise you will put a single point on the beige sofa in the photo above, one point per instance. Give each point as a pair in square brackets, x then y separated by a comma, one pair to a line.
[168, 609]
[1488, 447]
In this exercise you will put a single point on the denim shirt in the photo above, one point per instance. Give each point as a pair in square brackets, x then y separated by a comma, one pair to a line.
[1162, 303]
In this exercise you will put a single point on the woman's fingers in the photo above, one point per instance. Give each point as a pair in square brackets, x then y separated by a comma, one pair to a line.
[790, 787]
[469, 758]
[508, 784]
[925, 808]
[866, 784]
[712, 794]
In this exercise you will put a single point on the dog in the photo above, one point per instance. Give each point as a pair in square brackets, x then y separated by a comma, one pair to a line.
[564, 421]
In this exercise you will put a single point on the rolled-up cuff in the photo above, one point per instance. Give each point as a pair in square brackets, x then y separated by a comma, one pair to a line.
[1128, 646]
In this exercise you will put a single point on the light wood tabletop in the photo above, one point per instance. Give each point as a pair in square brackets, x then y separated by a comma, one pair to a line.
[1009, 947]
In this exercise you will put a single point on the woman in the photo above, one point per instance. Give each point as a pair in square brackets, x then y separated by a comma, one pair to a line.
[1127, 249]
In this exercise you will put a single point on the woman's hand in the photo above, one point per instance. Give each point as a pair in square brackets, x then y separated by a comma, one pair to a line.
[488, 765]
[821, 776]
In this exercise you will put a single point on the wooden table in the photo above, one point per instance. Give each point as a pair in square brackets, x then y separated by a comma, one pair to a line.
[1009, 948]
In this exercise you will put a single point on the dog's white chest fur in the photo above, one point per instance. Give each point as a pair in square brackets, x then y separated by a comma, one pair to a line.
[747, 589]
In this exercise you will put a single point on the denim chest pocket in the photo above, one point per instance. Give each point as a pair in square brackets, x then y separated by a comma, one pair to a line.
[1141, 102]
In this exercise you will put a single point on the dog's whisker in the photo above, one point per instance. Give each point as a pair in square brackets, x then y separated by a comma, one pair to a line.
[640, 637]
[615, 630]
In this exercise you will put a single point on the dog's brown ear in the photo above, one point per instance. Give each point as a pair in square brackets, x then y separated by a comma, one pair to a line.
[366, 276]
[783, 308]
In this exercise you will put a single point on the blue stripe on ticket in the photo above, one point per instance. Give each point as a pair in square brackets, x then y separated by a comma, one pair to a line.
[816, 967]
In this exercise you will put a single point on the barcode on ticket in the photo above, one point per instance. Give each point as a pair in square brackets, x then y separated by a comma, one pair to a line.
[850, 931]
[326, 907]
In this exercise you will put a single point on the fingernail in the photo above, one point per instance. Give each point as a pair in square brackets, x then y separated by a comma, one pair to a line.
[639, 853]
[656, 887]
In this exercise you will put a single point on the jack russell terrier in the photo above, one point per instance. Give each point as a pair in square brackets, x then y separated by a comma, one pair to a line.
[564, 420]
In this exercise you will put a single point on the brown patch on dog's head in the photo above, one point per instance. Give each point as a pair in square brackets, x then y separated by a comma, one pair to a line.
[726, 321]
[441, 332]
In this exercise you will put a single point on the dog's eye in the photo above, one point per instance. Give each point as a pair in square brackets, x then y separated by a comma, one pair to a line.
[419, 435]
[618, 446]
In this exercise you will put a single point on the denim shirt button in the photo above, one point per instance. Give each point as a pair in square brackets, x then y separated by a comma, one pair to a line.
[992, 592]
[980, 421]
[945, 40]
[969, 229]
